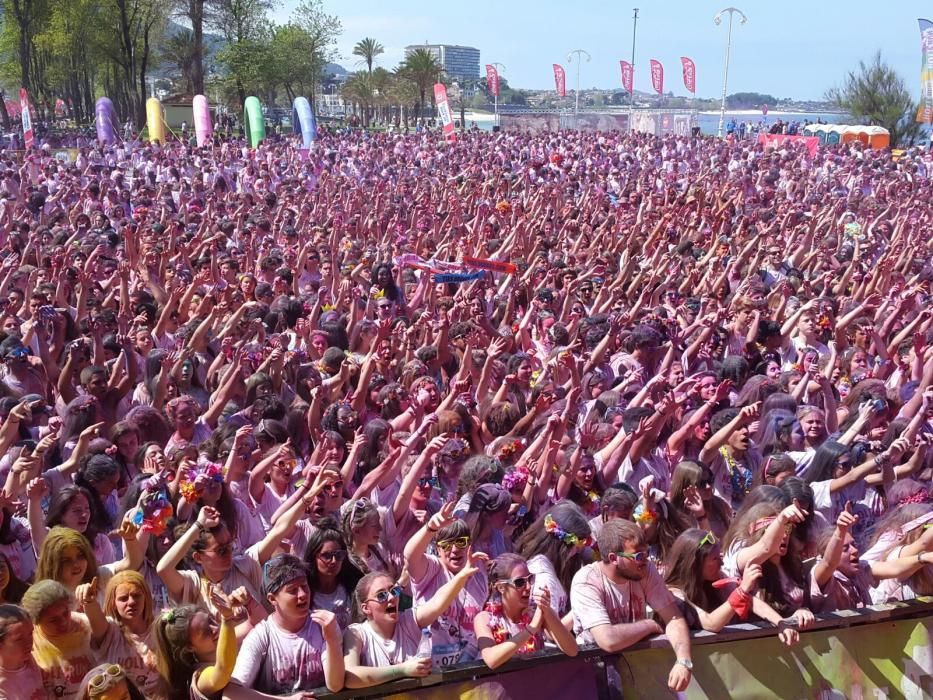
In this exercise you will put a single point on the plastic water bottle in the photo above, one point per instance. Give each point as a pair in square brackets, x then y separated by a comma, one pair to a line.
[425, 646]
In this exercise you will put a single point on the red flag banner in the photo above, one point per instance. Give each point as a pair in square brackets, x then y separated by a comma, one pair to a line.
[26, 116]
[492, 79]
[560, 80]
[657, 76]
[491, 265]
[443, 110]
[690, 74]
[627, 81]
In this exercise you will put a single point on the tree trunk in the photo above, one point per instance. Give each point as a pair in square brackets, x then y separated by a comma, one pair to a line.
[4, 115]
[197, 29]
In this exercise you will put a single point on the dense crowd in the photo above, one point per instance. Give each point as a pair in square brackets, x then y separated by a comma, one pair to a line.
[284, 418]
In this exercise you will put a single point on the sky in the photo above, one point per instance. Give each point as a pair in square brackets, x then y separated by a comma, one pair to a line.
[786, 49]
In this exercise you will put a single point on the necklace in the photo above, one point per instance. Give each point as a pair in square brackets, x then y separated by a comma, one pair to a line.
[740, 478]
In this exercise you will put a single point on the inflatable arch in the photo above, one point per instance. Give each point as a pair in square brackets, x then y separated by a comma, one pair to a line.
[154, 120]
[203, 129]
[105, 120]
[303, 121]
[254, 122]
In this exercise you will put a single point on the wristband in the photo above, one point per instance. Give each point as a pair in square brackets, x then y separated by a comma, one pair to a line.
[433, 529]
[198, 524]
[740, 601]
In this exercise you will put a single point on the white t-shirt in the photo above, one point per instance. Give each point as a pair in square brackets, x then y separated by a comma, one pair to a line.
[598, 600]
[379, 652]
[275, 661]
[452, 633]
[136, 654]
[541, 567]
[245, 572]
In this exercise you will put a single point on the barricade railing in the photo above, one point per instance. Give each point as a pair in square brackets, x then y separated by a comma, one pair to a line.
[880, 651]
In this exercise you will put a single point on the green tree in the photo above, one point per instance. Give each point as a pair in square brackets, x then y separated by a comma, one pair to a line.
[177, 51]
[423, 70]
[877, 95]
[368, 49]
[321, 32]
[245, 27]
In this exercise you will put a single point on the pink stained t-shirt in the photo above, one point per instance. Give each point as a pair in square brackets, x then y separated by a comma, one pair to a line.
[452, 633]
[136, 654]
[22, 684]
[378, 652]
[598, 600]
[541, 567]
[275, 661]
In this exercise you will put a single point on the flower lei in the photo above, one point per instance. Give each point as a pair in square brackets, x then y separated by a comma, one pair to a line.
[500, 632]
[741, 483]
[556, 531]
[187, 487]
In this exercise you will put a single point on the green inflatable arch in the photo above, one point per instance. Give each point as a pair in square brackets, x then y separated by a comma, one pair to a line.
[254, 121]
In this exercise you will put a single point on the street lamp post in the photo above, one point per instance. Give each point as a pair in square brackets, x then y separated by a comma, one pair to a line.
[579, 54]
[500, 68]
[725, 76]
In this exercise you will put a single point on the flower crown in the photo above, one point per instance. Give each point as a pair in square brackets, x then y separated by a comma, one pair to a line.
[556, 531]
[515, 478]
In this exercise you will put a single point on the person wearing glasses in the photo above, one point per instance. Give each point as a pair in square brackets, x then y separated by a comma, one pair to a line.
[514, 621]
[109, 682]
[384, 646]
[331, 575]
[452, 631]
[609, 599]
[212, 546]
[297, 648]
[709, 599]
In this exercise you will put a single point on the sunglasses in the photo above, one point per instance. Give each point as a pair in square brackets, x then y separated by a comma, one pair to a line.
[637, 557]
[708, 538]
[428, 481]
[704, 484]
[382, 597]
[336, 555]
[106, 679]
[459, 543]
[221, 550]
[520, 582]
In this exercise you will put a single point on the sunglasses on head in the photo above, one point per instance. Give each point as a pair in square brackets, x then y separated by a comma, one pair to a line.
[520, 582]
[637, 557]
[428, 481]
[106, 679]
[708, 538]
[382, 597]
[458, 542]
[336, 555]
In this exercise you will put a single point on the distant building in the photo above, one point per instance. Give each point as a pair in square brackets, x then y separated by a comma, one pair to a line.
[457, 61]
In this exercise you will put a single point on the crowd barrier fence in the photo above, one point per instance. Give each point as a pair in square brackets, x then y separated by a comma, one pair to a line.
[882, 651]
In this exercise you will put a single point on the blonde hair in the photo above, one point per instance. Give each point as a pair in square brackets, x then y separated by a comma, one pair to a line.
[128, 578]
[53, 549]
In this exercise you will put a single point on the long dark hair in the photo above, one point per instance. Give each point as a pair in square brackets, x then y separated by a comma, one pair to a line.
[61, 501]
[565, 558]
[94, 469]
[824, 460]
[328, 531]
[684, 566]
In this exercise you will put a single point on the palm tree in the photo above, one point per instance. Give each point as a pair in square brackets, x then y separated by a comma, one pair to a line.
[421, 68]
[358, 90]
[368, 49]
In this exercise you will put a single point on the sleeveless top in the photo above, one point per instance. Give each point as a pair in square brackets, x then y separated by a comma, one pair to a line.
[503, 628]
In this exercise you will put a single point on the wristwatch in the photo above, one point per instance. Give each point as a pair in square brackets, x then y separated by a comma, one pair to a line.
[686, 663]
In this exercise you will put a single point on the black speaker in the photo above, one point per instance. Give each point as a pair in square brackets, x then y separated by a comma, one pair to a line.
[495, 129]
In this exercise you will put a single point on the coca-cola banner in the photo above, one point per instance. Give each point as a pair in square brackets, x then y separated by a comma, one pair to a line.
[626, 75]
[657, 76]
[690, 73]
[492, 79]
[560, 80]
